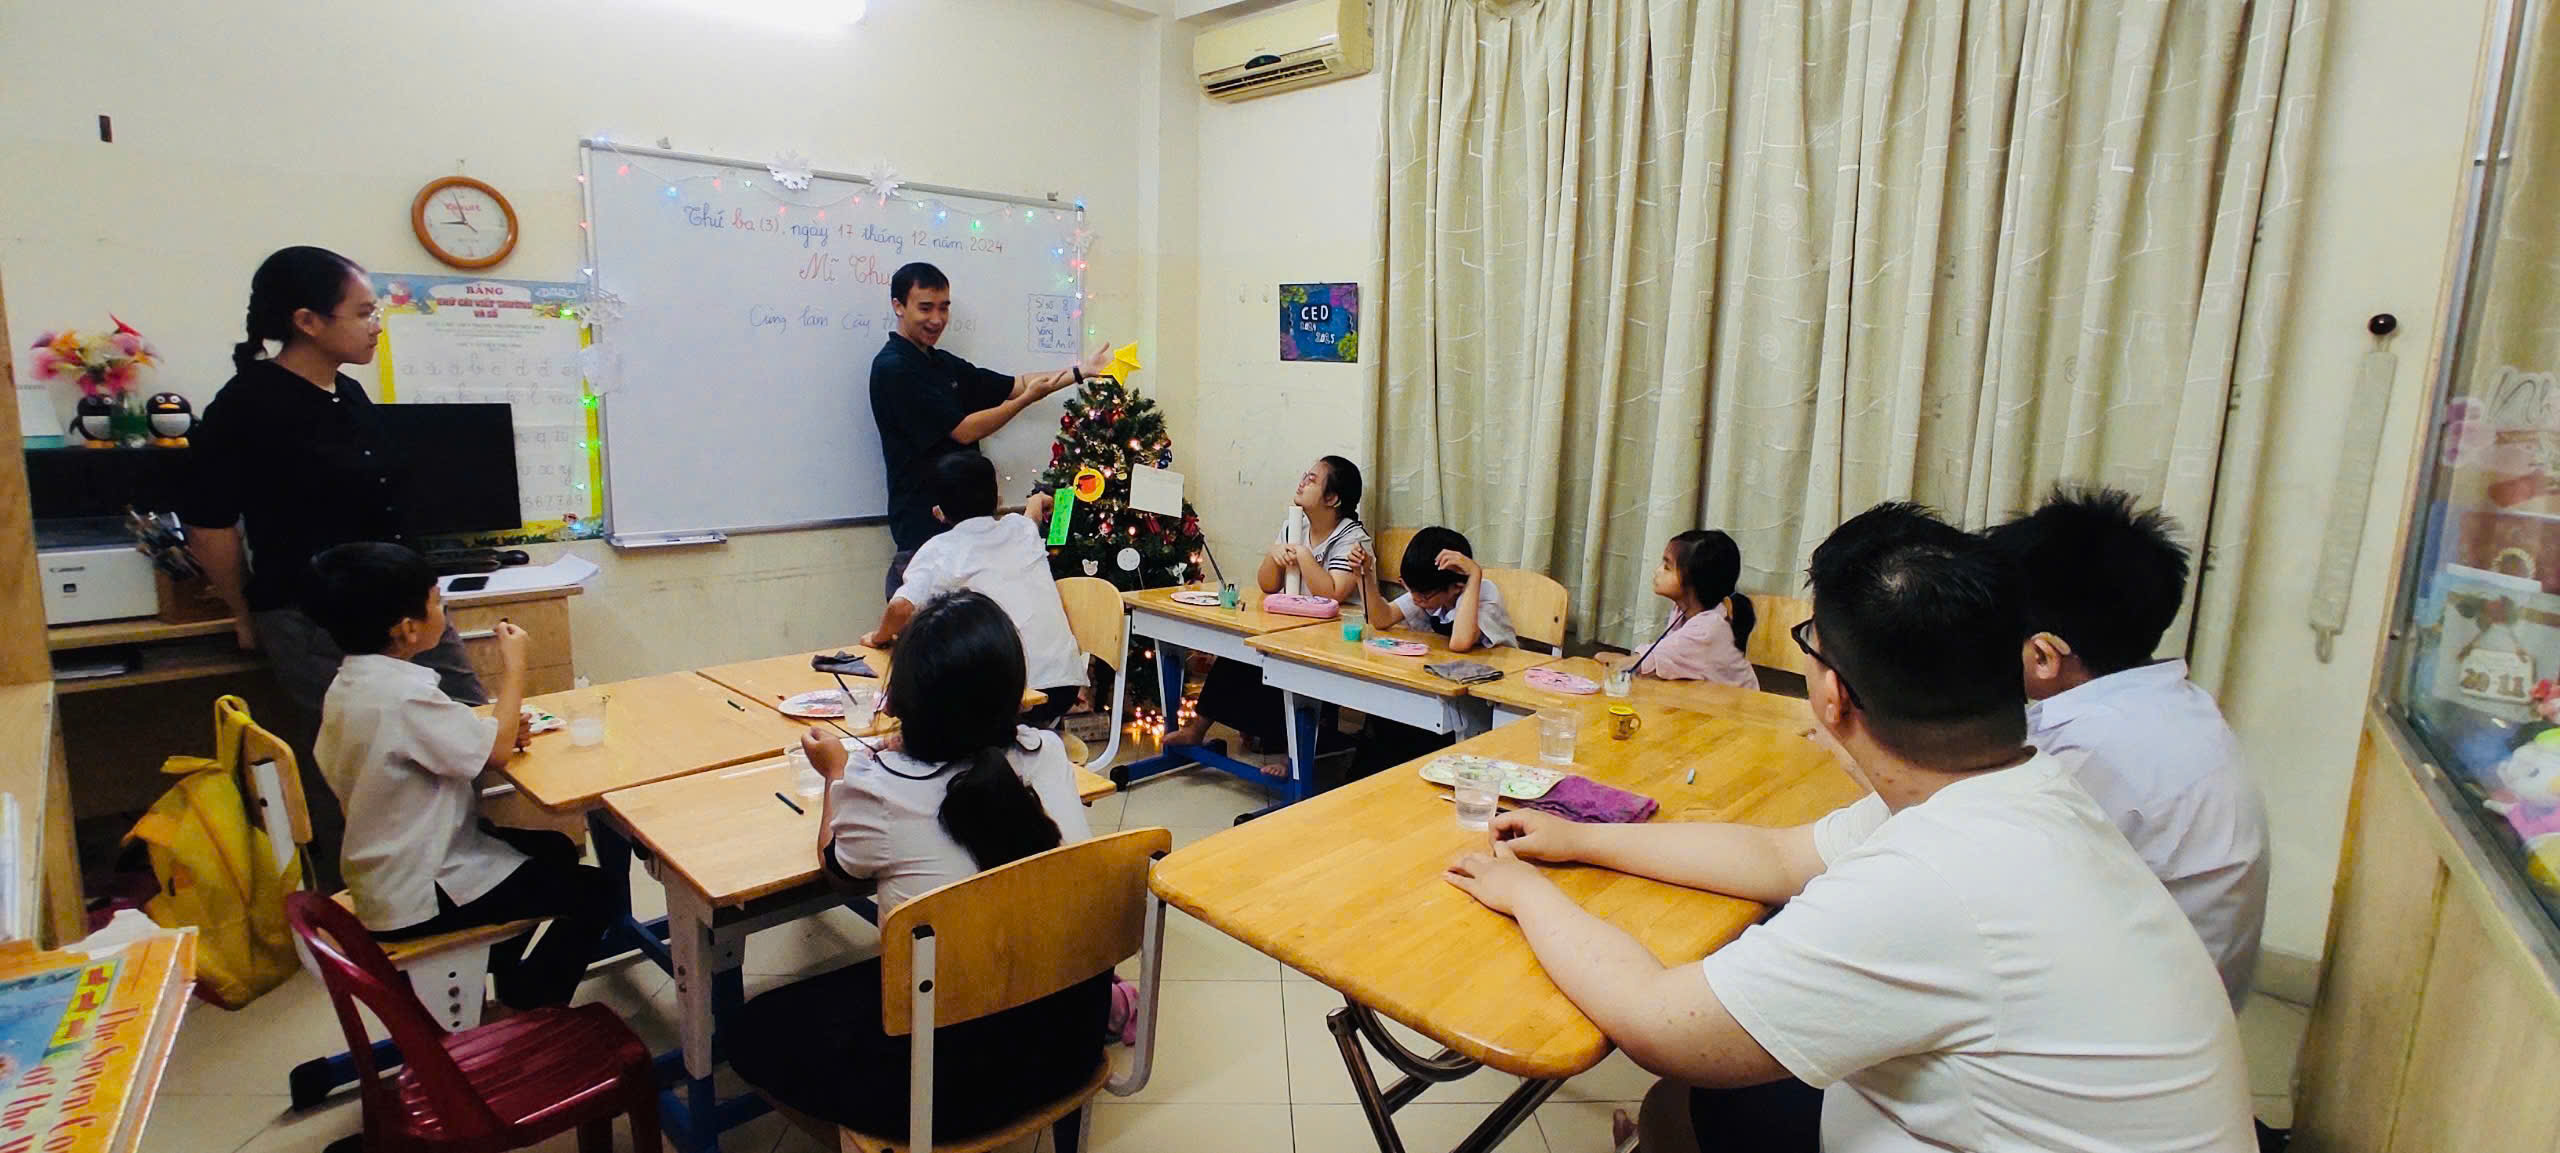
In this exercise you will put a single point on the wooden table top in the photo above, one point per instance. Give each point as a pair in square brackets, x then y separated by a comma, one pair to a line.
[772, 680]
[1790, 713]
[655, 728]
[730, 838]
[1246, 619]
[1325, 649]
[1347, 887]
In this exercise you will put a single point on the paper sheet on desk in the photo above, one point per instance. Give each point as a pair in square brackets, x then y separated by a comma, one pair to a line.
[569, 569]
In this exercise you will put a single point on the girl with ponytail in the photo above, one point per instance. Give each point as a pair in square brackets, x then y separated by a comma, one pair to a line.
[287, 463]
[966, 788]
[1704, 643]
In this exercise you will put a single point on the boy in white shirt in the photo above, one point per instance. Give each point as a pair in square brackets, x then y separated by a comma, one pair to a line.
[2103, 582]
[1006, 559]
[1970, 958]
[405, 761]
[1444, 592]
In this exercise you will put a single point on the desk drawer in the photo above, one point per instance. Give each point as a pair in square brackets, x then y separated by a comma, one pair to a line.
[548, 667]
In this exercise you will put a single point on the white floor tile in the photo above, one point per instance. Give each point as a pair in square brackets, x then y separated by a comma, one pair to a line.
[309, 1132]
[1316, 1075]
[643, 994]
[830, 940]
[1196, 952]
[2271, 1036]
[1580, 1126]
[1217, 1042]
[192, 1123]
[249, 1051]
[1615, 1078]
[1194, 796]
[1338, 1128]
[1105, 813]
[1124, 1127]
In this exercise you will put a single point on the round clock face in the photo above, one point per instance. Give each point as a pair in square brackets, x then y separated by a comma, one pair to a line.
[466, 224]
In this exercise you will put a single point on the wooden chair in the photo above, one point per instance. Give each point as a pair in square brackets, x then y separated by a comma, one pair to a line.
[1772, 644]
[1387, 552]
[1536, 602]
[1004, 938]
[449, 972]
[1099, 621]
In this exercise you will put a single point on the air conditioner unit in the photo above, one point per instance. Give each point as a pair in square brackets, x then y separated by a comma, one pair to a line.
[1292, 47]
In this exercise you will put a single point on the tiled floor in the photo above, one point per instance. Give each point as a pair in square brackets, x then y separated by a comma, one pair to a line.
[1244, 1063]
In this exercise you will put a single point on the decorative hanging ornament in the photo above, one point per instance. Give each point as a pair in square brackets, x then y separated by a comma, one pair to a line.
[1128, 559]
[600, 305]
[601, 364]
[790, 170]
[1092, 568]
[1088, 484]
[884, 180]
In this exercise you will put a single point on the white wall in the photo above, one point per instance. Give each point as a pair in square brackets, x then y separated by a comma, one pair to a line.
[1287, 193]
[244, 126]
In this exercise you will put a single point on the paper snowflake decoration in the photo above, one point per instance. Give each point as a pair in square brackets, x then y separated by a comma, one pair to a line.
[883, 180]
[601, 365]
[790, 170]
[600, 306]
[1083, 242]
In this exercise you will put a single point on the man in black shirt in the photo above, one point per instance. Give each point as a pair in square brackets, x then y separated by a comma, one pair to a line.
[929, 403]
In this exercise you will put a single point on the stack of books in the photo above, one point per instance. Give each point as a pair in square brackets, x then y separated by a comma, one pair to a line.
[84, 1038]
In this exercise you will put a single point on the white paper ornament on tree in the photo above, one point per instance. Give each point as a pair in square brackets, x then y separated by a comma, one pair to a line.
[1128, 560]
[1093, 568]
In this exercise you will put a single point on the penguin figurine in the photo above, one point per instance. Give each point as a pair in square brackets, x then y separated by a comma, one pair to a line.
[172, 418]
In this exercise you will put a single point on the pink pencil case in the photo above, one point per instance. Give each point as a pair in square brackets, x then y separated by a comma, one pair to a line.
[1296, 605]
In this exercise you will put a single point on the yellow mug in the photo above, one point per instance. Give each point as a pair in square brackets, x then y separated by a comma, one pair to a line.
[1623, 722]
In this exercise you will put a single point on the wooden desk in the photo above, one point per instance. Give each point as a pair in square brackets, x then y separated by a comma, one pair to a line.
[1318, 663]
[734, 858]
[655, 728]
[1514, 697]
[1347, 887]
[1177, 628]
[772, 680]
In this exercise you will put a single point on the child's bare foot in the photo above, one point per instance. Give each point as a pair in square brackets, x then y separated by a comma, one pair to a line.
[1277, 770]
[1195, 733]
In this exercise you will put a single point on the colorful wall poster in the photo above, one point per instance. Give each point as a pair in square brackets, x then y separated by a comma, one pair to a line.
[1320, 322]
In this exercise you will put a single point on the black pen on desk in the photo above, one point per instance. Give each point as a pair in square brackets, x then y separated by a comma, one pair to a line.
[786, 803]
[735, 705]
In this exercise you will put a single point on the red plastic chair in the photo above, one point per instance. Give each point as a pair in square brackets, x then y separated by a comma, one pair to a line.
[496, 1087]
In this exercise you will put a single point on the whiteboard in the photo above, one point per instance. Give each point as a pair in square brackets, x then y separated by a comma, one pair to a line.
[750, 314]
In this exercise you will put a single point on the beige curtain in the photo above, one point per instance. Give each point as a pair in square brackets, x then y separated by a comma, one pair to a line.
[1758, 266]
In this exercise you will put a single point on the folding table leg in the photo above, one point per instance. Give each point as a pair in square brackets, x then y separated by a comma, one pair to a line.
[1353, 1022]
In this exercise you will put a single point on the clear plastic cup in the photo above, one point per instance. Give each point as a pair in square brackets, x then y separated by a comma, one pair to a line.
[585, 721]
[1355, 619]
[1557, 729]
[804, 776]
[1620, 680]
[1477, 788]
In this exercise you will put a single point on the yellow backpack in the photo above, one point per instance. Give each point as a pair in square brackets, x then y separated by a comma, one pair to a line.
[217, 869]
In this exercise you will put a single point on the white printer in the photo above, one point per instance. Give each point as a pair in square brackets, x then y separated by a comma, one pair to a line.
[91, 571]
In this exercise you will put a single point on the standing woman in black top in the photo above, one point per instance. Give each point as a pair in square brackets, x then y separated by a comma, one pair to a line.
[289, 456]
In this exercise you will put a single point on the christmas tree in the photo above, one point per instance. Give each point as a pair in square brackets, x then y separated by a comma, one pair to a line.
[1110, 430]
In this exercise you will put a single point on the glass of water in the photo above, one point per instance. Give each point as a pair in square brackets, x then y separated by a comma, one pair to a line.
[1557, 729]
[586, 721]
[1620, 679]
[805, 779]
[1476, 786]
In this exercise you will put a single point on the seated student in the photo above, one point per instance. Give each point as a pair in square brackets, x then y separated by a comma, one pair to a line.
[405, 760]
[1971, 957]
[1704, 640]
[1444, 592]
[2103, 582]
[1310, 556]
[968, 789]
[1007, 559]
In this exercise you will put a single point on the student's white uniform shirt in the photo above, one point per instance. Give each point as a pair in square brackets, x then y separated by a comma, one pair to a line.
[405, 761]
[1493, 620]
[2167, 770]
[888, 826]
[1333, 552]
[1992, 969]
[1007, 559]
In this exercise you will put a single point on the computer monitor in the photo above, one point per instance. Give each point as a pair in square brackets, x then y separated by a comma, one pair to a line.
[454, 466]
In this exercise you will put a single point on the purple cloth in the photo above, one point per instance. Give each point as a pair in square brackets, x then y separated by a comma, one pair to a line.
[1592, 803]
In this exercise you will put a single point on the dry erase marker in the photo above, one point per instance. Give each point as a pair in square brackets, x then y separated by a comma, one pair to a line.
[786, 803]
[736, 705]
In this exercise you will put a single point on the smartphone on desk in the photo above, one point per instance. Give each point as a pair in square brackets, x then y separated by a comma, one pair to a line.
[468, 584]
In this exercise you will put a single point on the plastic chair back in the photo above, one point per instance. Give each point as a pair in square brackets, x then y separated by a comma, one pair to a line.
[354, 970]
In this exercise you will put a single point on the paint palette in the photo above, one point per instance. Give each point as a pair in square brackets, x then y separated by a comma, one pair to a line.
[1198, 598]
[1556, 681]
[1390, 646]
[817, 705]
[1519, 782]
